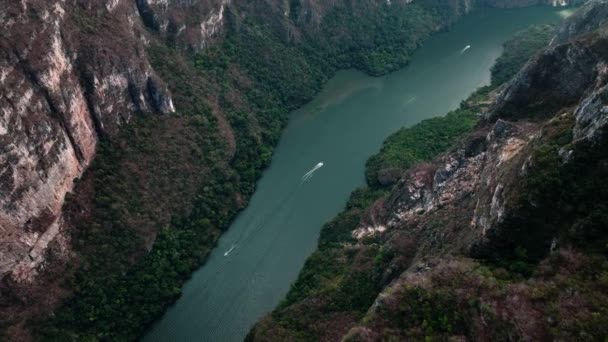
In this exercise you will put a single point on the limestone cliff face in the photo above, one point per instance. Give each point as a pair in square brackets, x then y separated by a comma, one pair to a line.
[62, 86]
[194, 23]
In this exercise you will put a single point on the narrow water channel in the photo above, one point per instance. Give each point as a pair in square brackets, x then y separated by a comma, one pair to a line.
[262, 253]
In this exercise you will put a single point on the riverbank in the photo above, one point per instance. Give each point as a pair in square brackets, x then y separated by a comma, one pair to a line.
[494, 238]
[161, 192]
[342, 127]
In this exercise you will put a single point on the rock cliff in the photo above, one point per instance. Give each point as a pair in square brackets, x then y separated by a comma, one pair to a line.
[63, 87]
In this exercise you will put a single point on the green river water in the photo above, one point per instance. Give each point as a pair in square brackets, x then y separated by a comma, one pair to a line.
[342, 127]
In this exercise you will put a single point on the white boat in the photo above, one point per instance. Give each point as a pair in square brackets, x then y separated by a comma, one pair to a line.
[230, 250]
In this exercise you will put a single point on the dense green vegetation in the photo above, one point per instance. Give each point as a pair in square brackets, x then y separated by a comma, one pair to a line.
[166, 187]
[518, 50]
[107, 282]
[322, 264]
[421, 142]
[383, 39]
[433, 312]
[460, 299]
[410, 146]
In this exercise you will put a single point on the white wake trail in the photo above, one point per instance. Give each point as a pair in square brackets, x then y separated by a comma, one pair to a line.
[307, 177]
[307, 174]
[310, 173]
[465, 49]
[230, 250]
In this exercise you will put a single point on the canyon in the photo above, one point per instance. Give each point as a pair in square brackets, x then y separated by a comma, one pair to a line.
[502, 237]
[80, 77]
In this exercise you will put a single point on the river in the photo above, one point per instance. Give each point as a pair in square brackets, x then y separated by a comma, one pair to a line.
[261, 254]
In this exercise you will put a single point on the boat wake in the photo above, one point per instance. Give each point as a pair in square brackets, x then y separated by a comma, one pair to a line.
[411, 99]
[465, 49]
[230, 250]
[308, 175]
[246, 235]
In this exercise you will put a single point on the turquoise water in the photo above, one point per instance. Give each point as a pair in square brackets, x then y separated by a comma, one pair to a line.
[262, 253]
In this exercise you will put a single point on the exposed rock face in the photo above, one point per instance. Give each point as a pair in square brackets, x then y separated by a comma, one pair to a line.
[62, 88]
[471, 180]
[591, 114]
[555, 79]
[563, 73]
[592, 16]
[193, 23]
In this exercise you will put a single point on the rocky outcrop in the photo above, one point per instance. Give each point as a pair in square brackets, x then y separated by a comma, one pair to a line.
[588, 19]
[192, 23]
[474, 180]
[566, 82]
[65, 83]
[478, 204]
[562, 74]
[591, 114]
